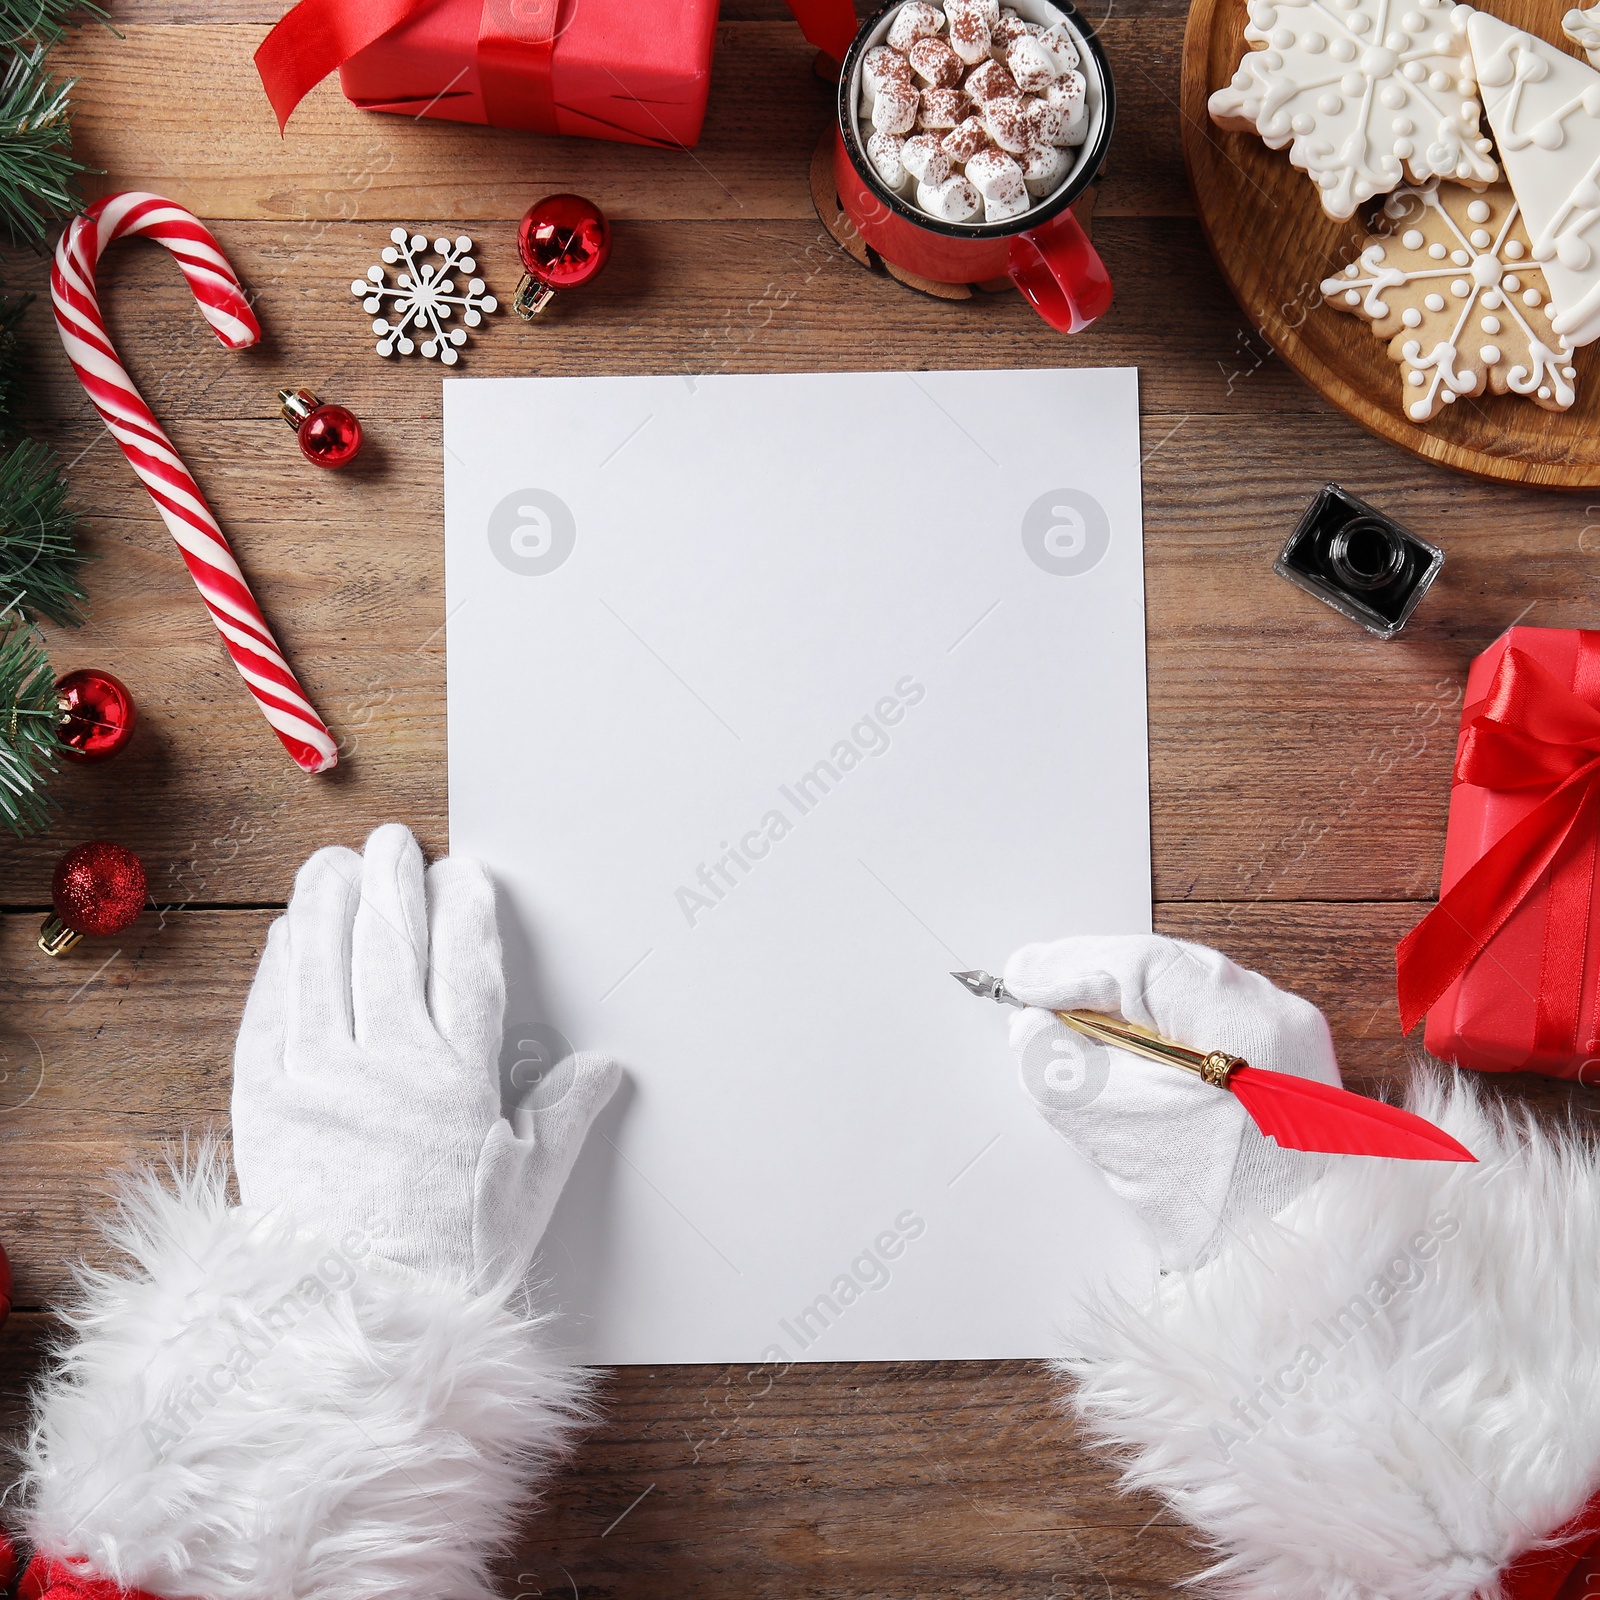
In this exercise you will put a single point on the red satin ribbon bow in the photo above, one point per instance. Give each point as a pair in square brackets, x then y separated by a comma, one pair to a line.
[516, 44]
[1529, 732]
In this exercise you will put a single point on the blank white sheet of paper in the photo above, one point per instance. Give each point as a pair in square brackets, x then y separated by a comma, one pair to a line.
[772, 700]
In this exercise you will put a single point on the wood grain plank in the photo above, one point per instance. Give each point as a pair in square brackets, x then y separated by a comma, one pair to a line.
[879, 1480]
[107, 1061]
[1292, 756]
[142, 97]
[263, 13]
[1295, 763]
[860, 1480]
[867, 1480]
[696, 298]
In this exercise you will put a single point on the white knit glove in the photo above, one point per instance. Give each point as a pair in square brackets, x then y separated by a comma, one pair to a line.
[1186, 1155]
[366, 1082]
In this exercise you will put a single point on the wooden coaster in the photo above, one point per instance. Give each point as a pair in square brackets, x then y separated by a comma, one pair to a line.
[825, 197]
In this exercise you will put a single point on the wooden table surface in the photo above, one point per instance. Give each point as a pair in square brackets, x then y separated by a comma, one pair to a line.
[1299, 768]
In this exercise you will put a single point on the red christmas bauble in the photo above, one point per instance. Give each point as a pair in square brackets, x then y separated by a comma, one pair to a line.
[97, 714]
[564, 240]
[98, 889]
[330, 436]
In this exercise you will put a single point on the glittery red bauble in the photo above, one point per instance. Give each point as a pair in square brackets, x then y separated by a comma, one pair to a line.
[98, 888]
[330, 436]
[97, 714]
[564, 240]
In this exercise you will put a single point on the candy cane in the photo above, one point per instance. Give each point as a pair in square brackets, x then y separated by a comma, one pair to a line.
[151, 454]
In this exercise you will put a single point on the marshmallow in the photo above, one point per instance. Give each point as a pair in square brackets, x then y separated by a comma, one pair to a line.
[937, 64]
[1062, 46]
[964, 142]
[976, 86]
[1010, 28]
[924, 158]
[1067, 95]
[895, 109]
[1043, 168]
[1047, 123]
[954, 200]
[990, 81]
[998, 178]
[969, 32]
[1006, 121]
[1031, 65]
[880, 67]
[942, 109]
[914, 20]
[885, 152]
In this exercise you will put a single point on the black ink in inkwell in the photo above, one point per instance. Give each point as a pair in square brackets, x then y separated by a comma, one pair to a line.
[1359, 561]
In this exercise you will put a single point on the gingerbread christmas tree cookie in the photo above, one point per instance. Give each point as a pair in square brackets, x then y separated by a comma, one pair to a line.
[1449, 280]
[1364, 92]
[1544, 108]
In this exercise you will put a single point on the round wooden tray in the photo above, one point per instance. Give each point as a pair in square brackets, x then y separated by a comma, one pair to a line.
[1275, 245]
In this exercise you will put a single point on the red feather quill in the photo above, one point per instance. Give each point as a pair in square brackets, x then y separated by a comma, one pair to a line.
[1302, 1114]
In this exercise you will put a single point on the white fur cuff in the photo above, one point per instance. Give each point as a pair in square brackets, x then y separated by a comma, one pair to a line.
[1389, 1393]
[250, 1414]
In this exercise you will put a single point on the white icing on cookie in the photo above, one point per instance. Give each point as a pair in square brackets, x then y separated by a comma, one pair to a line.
[1583, 29]
[1426, 308]
[1364, 93]
[1544, 107]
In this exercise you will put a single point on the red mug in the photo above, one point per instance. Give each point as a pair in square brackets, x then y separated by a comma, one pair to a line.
[1045, 251]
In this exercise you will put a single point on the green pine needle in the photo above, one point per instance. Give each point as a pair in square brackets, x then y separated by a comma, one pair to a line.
[12, 308]
[37, 172]
[24, 23]
[38, 554]
[29, 720]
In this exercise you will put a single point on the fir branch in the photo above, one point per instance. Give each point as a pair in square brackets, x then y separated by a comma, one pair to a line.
[37, 172]
[12, 308]
[24, 23]
[38, 554]
[29, 723]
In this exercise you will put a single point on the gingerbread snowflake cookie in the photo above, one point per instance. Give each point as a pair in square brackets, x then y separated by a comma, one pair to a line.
[1451, 283]
[1583, 29]
[1365, 93]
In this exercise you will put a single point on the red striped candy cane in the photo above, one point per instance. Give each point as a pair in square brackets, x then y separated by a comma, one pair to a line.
[150, 452]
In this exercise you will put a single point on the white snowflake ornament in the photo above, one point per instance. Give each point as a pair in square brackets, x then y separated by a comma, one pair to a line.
[1364, 92]
[426, 298]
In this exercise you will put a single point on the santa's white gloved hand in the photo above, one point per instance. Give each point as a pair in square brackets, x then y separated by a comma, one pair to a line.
[366, 1084]
[1185, 1154]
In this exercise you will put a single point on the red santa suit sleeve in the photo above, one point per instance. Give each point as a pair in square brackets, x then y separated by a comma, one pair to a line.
[246, 1410]
[1389, 1392]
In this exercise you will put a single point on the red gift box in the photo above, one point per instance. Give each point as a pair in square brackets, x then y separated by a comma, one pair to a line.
[1502, 965]
[605, 69]
[614, 69]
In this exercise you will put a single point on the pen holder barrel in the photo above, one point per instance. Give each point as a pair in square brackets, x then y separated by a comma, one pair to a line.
[1214, 1066]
